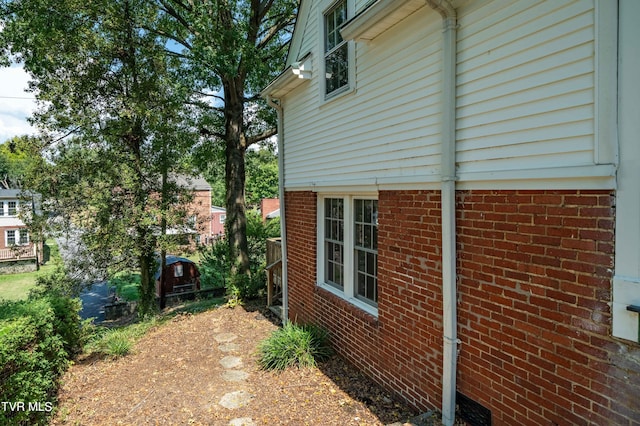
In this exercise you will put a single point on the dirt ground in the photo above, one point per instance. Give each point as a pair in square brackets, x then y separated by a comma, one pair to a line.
[202, 370]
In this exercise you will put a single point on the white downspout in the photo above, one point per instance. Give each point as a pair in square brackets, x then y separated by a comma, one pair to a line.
[283, 228]
[448, 194]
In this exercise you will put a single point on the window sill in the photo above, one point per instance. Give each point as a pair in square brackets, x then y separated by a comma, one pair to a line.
[338, 94]
[371, 310]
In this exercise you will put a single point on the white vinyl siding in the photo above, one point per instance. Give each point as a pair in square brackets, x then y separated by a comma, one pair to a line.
[381, 133]
[525, 85]
[527, 104]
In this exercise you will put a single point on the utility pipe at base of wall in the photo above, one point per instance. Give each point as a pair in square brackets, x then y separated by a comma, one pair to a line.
[448, 208]
[283, 228]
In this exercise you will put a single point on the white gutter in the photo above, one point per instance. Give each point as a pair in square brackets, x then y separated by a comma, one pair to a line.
[283, 228]
[448, 194]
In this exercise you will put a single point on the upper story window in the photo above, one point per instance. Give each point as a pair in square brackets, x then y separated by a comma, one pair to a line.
[12, 208]
[336, 50]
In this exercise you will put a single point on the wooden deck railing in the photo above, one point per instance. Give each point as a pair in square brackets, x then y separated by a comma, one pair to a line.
[18, 253]
[274, 271]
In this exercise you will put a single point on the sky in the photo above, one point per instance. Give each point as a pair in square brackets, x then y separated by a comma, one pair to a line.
[15, 104]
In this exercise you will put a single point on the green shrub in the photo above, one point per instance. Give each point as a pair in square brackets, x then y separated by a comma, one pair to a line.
[118, 342]
[294, 345]
[127, 285]
[214, 266]
[57, 282]
[37, 338]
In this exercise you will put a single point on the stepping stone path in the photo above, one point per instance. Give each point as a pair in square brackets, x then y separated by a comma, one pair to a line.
[233, 374]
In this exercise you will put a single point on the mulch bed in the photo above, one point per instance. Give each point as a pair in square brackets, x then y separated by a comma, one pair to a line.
[174, 377]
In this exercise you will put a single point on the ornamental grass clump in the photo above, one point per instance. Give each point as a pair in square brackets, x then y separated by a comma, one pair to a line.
[294, 345]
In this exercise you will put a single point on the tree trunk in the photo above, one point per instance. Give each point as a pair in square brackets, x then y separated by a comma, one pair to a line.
[236, 221]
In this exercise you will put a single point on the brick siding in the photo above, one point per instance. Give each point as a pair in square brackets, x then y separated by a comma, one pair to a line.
[534, 286]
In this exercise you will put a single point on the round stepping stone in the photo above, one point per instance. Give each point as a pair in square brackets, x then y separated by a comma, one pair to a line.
[235, 375]
[235, 399]
[229, 347]
[225, 337]
[231, 361]
[242, 421]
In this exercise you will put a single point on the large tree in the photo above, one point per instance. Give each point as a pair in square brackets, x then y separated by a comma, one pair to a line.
[97, 68]
[112, 105]
[232, 48]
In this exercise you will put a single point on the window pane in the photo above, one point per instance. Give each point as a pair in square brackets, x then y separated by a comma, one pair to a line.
[366, 245]
[333, 20]
[334, 241]
[337, 69]
[24, 236]
[11, 238]
[336, 49]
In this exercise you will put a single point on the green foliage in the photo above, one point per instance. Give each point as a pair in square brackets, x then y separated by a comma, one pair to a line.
[15, 162]
[118, 342]
[37, 338]
[294, 345]
[57, 281]
[127, 285]
[215, 264]
[262, 175]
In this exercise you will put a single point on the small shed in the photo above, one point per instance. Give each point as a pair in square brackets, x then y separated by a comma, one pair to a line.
[181, 275]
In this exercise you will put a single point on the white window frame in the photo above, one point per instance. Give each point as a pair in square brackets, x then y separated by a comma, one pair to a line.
[15, 208]
[349, 289]
[6, 237]
[25, 233]
[178, 270]
[16, 237]
[351, 53]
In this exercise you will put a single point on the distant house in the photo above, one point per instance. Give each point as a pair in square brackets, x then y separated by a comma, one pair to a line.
[15, 241]
[461, 201]
[198, 228]
[181, 275]
[218, 217]
[269, 208]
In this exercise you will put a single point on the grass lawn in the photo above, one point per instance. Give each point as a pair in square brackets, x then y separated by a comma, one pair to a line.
[17, 286]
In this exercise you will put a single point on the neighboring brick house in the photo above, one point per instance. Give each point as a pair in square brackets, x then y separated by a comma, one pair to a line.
[198, 226]
[461, 201]
[269, 208]
[15, 241]
[218, 217]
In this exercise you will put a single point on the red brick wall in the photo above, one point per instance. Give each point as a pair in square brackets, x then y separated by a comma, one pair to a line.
[300, 208]
[534, 282]
[534, 272]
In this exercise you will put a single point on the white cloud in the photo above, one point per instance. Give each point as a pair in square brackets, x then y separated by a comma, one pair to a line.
[15, 104]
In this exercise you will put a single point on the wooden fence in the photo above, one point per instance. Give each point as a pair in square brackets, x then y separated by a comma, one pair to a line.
[274, 272]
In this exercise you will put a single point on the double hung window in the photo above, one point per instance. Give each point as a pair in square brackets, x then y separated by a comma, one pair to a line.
[16, 237]
[348, 261]
[336, 50]
[10, 238]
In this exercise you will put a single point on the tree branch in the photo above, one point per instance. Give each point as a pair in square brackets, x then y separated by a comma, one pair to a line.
[262, 136]
[272, 32]
[209, 133]
[173, 12]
